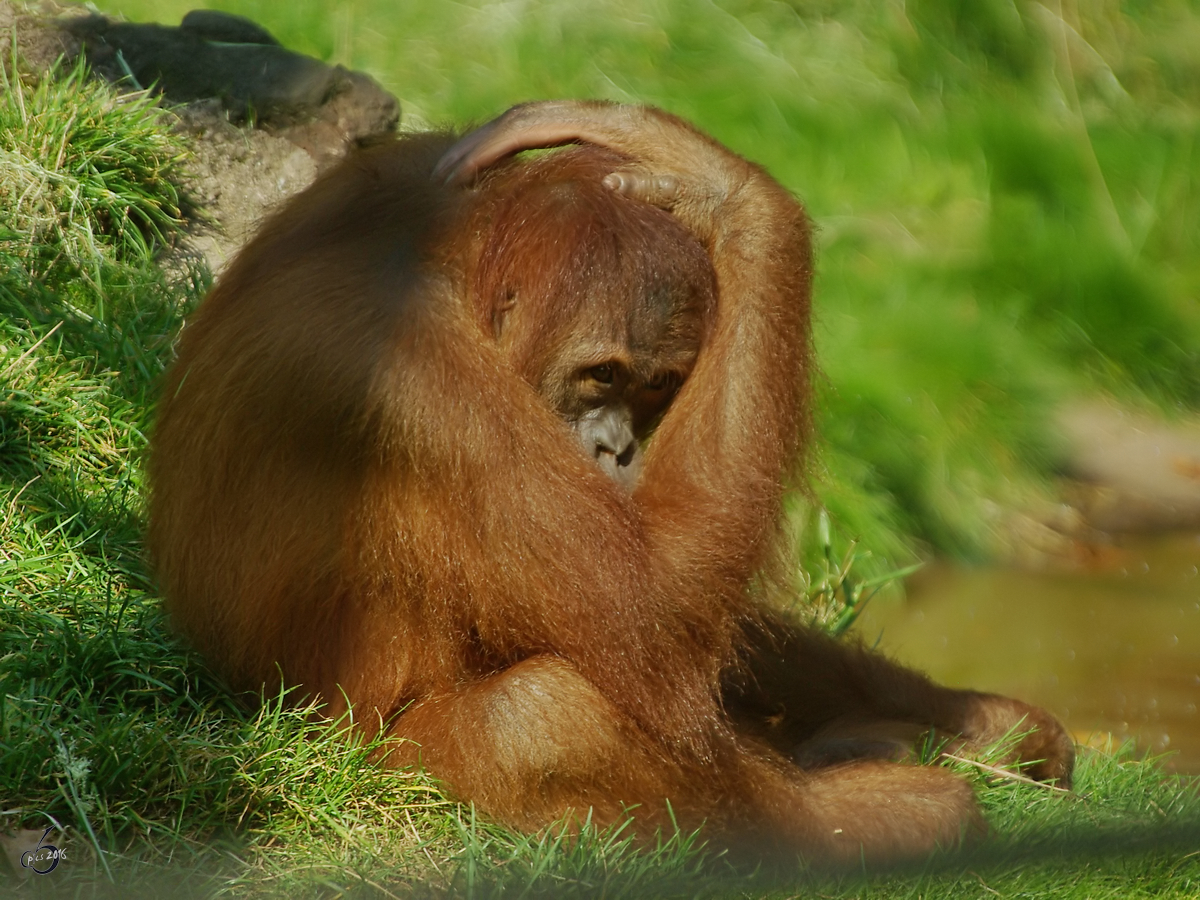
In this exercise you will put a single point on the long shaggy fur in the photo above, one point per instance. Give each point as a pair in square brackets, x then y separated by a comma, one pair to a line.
[358, 486]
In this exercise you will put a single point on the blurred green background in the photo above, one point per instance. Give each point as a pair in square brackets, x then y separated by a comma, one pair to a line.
[1007, 192]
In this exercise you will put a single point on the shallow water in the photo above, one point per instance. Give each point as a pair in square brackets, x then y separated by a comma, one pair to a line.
[1114, 650]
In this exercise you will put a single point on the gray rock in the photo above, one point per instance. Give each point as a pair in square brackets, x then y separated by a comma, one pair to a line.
[233, 59]
[212, 25]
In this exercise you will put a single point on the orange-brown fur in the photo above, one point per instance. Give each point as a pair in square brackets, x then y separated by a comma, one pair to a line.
[359, 482]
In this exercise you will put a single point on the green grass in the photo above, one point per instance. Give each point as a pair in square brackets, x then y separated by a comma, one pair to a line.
[84, 183]
[997, 235]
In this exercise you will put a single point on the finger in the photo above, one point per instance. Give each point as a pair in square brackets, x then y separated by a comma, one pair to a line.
[525, 127]
[657, 190]
[449, 167]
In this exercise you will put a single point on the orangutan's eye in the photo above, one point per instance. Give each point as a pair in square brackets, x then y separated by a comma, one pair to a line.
[602, 374]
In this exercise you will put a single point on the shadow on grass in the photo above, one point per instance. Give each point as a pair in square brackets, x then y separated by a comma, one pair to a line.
[1159, 860]
[80, 359]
